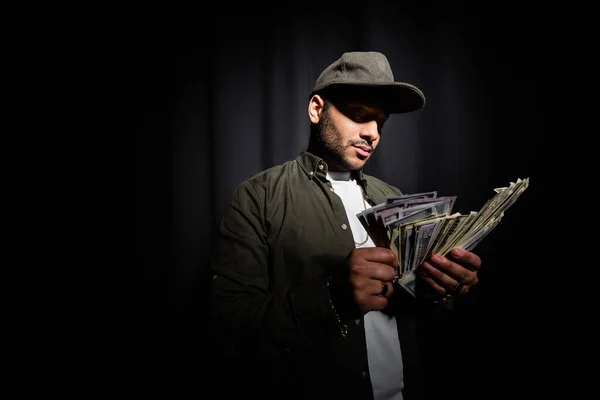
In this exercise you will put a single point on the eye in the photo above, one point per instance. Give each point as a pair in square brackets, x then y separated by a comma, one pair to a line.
[360, 115]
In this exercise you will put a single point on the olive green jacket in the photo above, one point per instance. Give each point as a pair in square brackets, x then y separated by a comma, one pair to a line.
[280, 239]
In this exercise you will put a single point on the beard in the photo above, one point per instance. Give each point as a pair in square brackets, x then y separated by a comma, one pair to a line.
[330, 139]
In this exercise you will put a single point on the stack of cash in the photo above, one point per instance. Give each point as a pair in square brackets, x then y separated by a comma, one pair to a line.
[416, 226]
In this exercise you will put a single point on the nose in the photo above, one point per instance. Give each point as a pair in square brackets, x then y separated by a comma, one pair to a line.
[370, 131]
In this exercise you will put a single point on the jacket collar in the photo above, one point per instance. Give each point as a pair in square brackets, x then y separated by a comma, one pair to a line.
[312, 165]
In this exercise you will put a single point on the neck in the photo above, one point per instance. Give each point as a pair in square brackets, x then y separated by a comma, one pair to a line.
[339, 176]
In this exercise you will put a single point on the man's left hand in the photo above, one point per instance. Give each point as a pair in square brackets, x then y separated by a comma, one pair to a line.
[452, 275]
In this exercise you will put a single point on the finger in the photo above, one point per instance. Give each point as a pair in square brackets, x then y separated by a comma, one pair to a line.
[379, 254]
[459, 288]
[438, 279]
[370, 301]
[444, 292]
[373, 270]
[467, 259]
[431, 282]
[373, 287]
[455, 272]
[384, 289]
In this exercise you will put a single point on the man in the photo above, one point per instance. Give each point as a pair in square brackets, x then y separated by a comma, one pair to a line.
[302, 298]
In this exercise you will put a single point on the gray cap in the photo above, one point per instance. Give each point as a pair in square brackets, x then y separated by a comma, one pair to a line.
[370, 74]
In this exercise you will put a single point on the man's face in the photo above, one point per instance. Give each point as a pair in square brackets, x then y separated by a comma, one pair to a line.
[350, 132]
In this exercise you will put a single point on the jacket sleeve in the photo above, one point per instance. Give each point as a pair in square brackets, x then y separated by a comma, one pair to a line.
[249, 319]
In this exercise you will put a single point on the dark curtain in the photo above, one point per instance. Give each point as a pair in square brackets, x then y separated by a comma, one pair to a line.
[179, 110]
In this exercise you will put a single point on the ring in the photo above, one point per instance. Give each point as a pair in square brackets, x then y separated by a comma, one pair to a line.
[384, 289]
[459, 285]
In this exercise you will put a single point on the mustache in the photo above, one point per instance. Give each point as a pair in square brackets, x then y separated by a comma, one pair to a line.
[360, 143]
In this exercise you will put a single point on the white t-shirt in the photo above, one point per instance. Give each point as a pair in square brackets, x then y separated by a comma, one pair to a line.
[383, 347]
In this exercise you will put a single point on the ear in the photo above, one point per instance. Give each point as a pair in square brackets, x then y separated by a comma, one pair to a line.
[315, 108]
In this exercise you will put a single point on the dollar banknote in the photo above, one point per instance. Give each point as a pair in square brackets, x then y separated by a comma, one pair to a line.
[416, 226]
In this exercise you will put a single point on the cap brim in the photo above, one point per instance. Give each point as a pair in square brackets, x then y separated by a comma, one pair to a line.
[394, 98]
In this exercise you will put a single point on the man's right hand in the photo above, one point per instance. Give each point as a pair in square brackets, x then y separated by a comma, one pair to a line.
[367, 271]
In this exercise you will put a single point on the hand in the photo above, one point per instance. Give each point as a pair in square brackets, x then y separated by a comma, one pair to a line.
[370, 271]
[451, 276]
